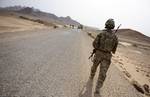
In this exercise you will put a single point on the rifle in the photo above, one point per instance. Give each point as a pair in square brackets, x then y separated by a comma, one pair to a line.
[94, 50]
[117, 28]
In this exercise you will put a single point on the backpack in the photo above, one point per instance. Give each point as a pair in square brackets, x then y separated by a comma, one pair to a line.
[107, 41]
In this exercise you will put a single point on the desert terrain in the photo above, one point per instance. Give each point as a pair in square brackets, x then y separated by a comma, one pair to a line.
[42, 55]
[11, 23]
[132, 57]
[19, 18]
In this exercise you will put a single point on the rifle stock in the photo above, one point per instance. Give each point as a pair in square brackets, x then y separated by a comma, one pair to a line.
[94, 50]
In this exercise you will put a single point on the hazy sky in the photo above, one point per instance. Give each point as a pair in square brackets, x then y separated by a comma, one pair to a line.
[133, 14]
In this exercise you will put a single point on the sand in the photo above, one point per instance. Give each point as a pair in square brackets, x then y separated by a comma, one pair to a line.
[13, 24]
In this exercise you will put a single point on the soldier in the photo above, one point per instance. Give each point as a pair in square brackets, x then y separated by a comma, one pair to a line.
[105, 44]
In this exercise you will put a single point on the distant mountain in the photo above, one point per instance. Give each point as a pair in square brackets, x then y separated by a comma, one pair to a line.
[37, 13]
[13, 8]
[133, 34]
[68, 20]
[27, 10]
[30, 11]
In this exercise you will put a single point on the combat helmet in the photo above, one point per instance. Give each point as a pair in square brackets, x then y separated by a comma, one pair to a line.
[110, 24]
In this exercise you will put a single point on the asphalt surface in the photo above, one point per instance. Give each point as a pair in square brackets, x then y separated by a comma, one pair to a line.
[53, 63]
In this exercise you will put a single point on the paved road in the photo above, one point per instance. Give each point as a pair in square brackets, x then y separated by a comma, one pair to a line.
[53, 63]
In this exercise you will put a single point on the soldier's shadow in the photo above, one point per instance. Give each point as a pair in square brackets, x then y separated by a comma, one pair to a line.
[87, 89]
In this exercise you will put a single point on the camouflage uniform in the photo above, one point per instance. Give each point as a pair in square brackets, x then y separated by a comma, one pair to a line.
[105, 43]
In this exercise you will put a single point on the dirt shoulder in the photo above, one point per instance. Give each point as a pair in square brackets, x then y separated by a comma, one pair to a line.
[132, 58]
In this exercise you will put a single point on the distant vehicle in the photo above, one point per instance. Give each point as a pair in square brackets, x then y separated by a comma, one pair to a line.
[80, 27]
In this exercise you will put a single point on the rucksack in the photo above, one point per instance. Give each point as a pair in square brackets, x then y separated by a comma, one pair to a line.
[107, 41]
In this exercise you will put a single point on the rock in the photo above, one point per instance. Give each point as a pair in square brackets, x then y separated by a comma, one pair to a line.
[146, 88]
[137, 70]
[121, 59]
[120, 63]
[147, 75]
[138, 87]
[127, 74]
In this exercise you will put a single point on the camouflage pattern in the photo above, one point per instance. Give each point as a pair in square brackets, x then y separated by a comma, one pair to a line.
[105, 44]
[110, 24]
[106, 41]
